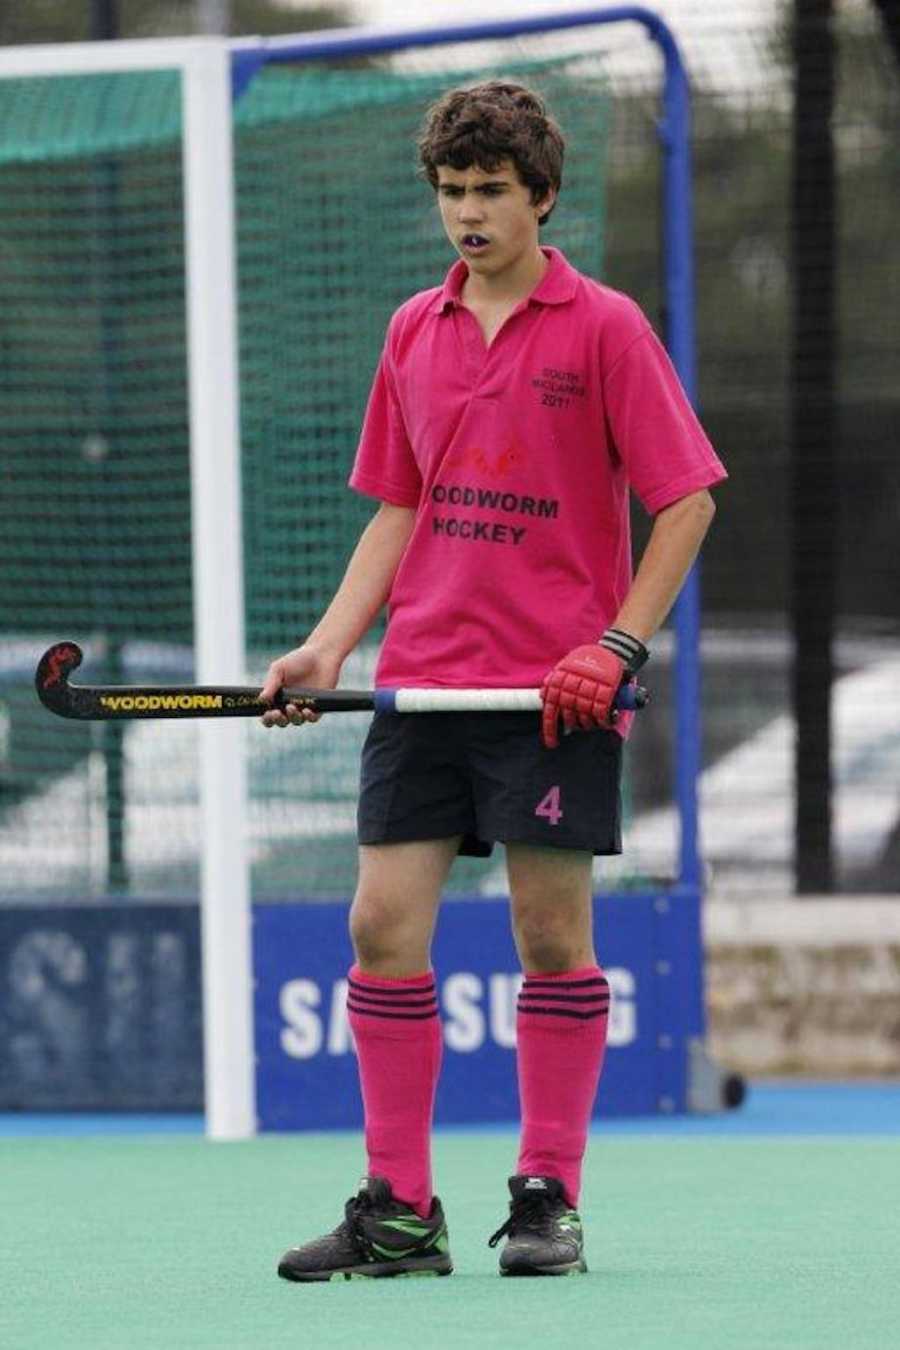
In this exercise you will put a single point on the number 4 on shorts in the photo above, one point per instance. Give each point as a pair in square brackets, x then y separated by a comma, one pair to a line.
[549, 806]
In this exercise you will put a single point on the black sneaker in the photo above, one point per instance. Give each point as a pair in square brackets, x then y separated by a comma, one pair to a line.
[379, 1237]
[545, 1236]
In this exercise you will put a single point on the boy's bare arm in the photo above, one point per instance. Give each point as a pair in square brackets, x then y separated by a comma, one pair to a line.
[580, 688]
[367, 581]
[678, 531]
[357, 602]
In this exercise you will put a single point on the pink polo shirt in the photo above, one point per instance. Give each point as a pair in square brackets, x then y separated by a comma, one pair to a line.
[518, 460]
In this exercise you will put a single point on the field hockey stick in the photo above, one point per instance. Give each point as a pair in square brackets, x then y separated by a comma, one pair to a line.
[120, 702]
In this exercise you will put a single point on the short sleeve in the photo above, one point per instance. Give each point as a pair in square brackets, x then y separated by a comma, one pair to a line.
[654, 429]
[385, 466]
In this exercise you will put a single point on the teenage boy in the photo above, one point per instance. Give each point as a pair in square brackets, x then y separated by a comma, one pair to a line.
[513, 409]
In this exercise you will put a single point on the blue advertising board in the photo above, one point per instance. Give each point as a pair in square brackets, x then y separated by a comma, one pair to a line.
[100, 1008]
[648, 944]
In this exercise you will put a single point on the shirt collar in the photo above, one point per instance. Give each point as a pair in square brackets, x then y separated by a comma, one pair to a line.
[556, 286]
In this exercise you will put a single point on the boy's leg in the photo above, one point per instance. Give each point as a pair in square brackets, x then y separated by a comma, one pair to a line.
[394, 1226]
[396, 902]
[563, 1009]
[393, 1008]
[552, 907]
[561, 1039]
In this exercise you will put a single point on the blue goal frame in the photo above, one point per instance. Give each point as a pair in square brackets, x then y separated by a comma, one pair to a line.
[249, 57]
[655, 935]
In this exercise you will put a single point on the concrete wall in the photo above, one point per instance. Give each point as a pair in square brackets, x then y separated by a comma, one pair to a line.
[804, 986]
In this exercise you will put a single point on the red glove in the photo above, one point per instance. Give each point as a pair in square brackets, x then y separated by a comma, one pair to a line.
[580, 688]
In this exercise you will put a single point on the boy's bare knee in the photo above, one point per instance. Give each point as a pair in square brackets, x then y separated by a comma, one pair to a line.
[546, 947]
[393, 912]
[553, 937]
[373, 930]
[387, 938]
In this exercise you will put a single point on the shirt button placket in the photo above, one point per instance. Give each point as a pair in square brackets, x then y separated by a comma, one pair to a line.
[472, 343]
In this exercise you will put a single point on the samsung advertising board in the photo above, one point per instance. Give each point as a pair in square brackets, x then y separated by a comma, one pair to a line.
[648, 945]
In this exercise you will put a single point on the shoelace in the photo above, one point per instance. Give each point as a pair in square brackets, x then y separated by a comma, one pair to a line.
[355, 1209]
[530, 1211]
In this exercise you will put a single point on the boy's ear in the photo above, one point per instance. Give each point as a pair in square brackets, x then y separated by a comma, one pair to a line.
[546, 202]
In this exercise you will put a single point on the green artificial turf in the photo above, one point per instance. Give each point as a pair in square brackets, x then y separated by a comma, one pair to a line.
[171, 1241]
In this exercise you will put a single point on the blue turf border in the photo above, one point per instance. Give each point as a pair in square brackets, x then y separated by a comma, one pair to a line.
[771, 1109]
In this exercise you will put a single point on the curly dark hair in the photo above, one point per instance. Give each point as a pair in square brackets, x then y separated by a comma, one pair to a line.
[490, 122]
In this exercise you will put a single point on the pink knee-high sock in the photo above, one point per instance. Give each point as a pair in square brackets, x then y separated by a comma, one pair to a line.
[561, 1038]
[397, 1031]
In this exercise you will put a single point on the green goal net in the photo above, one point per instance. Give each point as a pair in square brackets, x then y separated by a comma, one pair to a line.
[334, 230]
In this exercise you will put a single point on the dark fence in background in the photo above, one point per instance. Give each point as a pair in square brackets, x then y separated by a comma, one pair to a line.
[798, 287]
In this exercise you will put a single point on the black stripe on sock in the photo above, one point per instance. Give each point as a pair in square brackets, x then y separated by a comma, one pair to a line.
[595, 981]
[564, 1012]
[394, 1016]
[563, 998]
[387, 992]
[429, 999]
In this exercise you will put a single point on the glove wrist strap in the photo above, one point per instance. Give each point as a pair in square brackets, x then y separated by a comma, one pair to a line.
[629, 650]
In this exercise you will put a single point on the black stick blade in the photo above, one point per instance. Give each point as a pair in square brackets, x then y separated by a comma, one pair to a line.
[52, 678]
[121, 702]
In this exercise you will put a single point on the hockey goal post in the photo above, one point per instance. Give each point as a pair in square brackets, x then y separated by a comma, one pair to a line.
[204, 67]
[211, 73]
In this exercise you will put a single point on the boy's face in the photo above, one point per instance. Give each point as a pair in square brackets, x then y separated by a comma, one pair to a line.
[489, 217]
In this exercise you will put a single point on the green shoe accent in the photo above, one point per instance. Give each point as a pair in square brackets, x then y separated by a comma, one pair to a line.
[415, 1228]
[393, 1253]
[544, 1233]
[380, 1238]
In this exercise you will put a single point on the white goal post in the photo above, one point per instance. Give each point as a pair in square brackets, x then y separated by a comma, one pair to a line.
[204, 65]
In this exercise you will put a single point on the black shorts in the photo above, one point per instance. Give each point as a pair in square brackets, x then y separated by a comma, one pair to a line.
[487, 777]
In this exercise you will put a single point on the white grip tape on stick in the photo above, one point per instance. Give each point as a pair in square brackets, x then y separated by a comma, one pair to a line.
[483, 700]
[465, 700]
